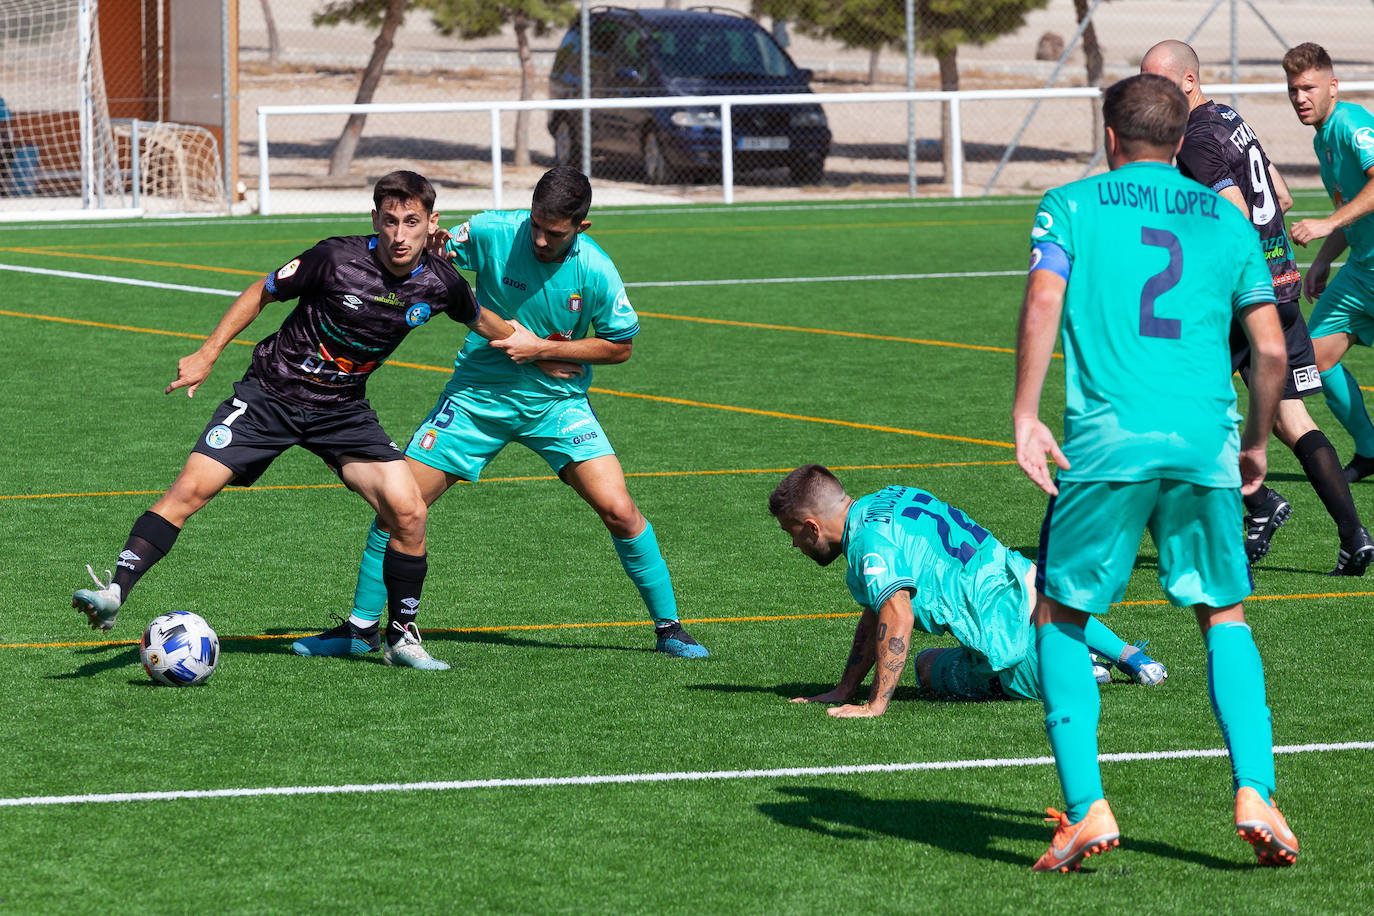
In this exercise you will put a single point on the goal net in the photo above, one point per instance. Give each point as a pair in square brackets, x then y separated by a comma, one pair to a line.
[60, 151]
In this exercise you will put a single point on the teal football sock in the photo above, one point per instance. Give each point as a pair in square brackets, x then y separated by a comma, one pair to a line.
[369, 595]
[1102, 640]
[644, 565]
[1235, 684]
[1347, 403]
[1069, 693]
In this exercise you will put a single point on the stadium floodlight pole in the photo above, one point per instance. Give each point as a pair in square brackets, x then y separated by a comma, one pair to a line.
[584, 26]
[911, 106]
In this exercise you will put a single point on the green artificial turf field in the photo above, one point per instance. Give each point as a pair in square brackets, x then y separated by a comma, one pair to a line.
[562, 765]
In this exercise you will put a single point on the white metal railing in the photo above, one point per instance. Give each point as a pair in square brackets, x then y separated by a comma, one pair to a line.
[726, 104]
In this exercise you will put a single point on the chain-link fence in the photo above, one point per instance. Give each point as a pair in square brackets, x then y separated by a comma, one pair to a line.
[642, 49]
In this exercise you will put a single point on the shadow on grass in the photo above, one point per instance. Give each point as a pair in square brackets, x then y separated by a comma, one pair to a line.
[788, 691]
[110, 657]
[962, 827]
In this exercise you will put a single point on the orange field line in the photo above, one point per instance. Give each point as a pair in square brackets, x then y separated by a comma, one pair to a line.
[699, 473]
[771, 618]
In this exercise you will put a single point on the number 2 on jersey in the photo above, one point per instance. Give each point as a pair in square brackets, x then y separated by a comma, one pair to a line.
[1159, 284]
[964, 552]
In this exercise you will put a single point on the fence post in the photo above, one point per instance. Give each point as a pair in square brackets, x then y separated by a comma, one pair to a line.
[727, 154]
[496, 158]
[264, 193]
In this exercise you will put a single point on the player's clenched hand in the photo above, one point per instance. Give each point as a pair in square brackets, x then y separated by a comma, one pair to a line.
[854, 711]
[1033, 442]
[1314, 281]
[521, 346]
[557, 368]
[191, 371]
[830, 696]
[1254, 463]
[437, 244]
[1305, 230]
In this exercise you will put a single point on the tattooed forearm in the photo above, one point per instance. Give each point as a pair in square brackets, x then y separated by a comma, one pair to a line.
[896, 646]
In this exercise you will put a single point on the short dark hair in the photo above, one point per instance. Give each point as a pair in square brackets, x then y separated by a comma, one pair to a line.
[403, 186]
[1145, 110]
[563, 193]
[802, 490]
[1306, 56]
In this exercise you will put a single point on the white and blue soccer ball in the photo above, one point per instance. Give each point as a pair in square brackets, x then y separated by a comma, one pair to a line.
[179, 649]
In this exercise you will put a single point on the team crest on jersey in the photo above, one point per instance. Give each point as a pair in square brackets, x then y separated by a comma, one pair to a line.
[219, 436]
[1364, 138]
[418, 314]
[427, 440]
[871, 565]
[1043, 223]
[462, 234]
[288, 270]
[575, 303]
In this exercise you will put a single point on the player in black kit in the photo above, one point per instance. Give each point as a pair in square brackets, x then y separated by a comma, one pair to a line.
[1221, 151]
[359, 297]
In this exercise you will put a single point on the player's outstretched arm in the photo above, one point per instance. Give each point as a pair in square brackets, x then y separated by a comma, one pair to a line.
[1357, 207]
[861, 656]
[1035, 336]
[893, 644]
[1268, 363]
[194, 369]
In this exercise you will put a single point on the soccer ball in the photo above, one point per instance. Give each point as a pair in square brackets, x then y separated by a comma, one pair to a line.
[179, 649]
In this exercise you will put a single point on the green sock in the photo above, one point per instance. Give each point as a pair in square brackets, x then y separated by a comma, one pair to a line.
[1069, 694]
[1102, 640]
[1347, 403]
[1235, 683]
[644, 565]
[369, 595]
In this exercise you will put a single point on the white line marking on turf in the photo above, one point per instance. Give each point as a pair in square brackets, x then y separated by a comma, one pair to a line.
[126, 281]
[689, 776]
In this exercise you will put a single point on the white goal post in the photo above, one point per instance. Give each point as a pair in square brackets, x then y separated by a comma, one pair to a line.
[61, 154]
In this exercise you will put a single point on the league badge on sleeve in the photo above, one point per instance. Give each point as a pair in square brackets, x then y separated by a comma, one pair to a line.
[289, 270]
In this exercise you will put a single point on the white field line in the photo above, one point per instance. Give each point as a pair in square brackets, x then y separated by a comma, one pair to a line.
[620, 778]
[125, 281]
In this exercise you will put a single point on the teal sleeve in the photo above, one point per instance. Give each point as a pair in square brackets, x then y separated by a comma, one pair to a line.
[876, 570]
[1052, 223]
[463, 245]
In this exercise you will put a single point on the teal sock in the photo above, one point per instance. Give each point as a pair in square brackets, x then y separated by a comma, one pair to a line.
[369, 595]
[644, 565]
[1071, 703]
[1347, 403]
[1102, 640]
[1235, 683]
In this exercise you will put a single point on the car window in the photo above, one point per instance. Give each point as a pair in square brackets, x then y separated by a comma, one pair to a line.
[715, 51]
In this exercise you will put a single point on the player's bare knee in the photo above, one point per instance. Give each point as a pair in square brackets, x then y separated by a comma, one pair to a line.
[622, 518]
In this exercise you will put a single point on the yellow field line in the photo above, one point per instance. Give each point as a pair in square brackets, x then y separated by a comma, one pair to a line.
[700, 473]
[609, 391]
[587, 625]
[105, 257]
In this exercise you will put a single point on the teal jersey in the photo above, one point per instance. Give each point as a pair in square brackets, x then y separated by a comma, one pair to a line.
[1345, 151]
[1157, 266]
[580, 296]
[962, 580]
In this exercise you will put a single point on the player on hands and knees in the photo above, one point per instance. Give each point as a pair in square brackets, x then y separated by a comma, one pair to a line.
[1344, 313]
[359, 297]
[915, 562]
[568, 306]
[1221, 151]
[1143, 271]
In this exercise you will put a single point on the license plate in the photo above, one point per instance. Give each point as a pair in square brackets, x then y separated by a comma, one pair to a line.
[760, 143]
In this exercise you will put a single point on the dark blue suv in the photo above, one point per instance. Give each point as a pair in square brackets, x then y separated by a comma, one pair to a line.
[648, 52]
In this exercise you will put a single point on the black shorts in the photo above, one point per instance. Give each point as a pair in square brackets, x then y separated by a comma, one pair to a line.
[249, 430]
[1303, 379]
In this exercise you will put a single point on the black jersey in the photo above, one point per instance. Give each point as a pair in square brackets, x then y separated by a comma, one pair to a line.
[1220, 150]
[352, 314]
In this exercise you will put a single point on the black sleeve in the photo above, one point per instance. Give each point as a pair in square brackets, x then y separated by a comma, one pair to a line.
[301, 274]
[462, 304]
[1204, 161]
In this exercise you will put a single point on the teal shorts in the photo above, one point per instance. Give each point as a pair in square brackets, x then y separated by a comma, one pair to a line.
[463, 433]
[1346, 306]
[963, 674]
[1091, 537]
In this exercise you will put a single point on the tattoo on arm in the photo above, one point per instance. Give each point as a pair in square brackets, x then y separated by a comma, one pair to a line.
[896, 646]
[882, 631]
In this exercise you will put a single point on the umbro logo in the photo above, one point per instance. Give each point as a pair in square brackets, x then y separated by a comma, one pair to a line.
[410, 603]
[353, 302]
[127, 559]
